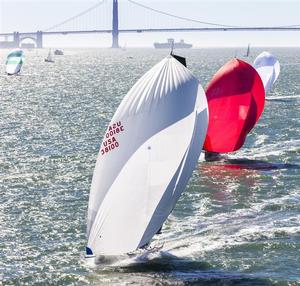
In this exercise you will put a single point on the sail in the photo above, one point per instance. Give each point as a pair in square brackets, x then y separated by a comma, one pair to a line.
[248, 51]
[49, 58]
[236, 100]
[146, 158]
[14, 62]
[268, 68]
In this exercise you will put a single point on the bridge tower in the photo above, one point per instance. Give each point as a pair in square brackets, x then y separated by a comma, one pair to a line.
[16, 39]
[39, 39]
[115, 25]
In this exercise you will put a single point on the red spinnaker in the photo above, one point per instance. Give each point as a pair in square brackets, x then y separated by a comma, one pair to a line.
[236, 99]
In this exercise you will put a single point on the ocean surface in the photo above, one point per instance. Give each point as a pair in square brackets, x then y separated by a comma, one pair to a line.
[237, 223]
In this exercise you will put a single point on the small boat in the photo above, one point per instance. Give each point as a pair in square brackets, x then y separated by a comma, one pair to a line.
[14, 62]
[124, 48]
[49, 58]
[248, 51]
[236, 99]
[58, 53]
[146, 158]
[268, 68]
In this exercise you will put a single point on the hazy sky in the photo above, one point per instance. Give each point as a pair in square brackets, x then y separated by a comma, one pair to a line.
[28, 15]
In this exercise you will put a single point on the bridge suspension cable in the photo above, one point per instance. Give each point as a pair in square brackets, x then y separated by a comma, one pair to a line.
[182, 18]
[75, 17]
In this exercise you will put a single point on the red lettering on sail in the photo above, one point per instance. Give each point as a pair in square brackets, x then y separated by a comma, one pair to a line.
[110, 141]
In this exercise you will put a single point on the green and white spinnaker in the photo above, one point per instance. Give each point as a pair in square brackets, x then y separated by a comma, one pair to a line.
[14, 62]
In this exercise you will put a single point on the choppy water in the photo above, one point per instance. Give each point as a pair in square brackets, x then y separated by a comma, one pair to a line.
[237, 223]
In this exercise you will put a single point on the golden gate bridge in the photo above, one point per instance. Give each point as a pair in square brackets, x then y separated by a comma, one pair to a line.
[89, 21]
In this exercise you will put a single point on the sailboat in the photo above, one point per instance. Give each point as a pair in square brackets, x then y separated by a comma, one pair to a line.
[268, 68]
[124, 48]
[146, 158]
[236, 99]
[14, 62]
[49, 58]
[248, 51]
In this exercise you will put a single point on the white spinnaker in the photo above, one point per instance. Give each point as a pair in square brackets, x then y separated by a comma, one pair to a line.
[159, 128]
[14, 61]
[268, 68]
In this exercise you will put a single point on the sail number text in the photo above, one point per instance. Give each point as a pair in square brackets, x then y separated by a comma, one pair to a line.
[110, 142]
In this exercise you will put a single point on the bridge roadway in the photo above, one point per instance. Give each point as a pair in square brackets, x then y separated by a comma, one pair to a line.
[216, 29]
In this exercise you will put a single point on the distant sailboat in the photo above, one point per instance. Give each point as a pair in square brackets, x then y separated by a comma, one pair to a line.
[268, 68]
[14, 62]
[248, 51]
[146, 158]
[49, 58]
[124, 48]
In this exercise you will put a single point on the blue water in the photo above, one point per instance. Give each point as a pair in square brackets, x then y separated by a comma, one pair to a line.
[237, 223]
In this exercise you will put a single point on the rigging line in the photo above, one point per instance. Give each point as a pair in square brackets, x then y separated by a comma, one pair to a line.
[76, 16]
[181, 18]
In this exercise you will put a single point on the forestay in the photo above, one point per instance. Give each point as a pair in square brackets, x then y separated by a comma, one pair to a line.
[146, 158]
[14, 62]
[268, 68]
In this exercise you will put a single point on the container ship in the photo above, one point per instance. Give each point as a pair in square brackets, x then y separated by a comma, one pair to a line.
[170, 43]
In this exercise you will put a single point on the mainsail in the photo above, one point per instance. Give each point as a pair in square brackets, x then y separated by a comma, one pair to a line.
[236, 100]
[268, 68]
[14, 62]
[248, 51]
[146, 158]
